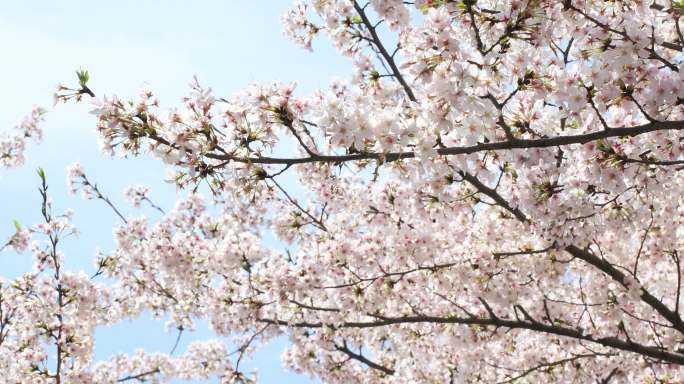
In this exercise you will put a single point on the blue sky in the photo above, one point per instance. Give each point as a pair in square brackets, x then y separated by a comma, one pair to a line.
[126, 45]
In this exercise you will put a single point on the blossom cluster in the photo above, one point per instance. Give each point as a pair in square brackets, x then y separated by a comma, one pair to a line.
[494, 195]
[13, 145]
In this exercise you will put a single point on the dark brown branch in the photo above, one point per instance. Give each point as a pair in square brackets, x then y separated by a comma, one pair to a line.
[480, 147]
[363, 359]
[383, 51]
[476, 30]
[551, 364]
[474, 181]
[316, 222]
[102, 197]
[659, 163]
[678, 265]
[651, 50]
[600, 263]
[641, 246]
[612, 373]
[617, 275]
[139, 376]
[299, 139]
[575, 333]
[523, 252]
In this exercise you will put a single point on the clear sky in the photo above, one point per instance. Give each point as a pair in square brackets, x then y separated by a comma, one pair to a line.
[125, 45]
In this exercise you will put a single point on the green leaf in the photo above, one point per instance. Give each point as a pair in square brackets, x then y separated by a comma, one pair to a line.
[260, 173]
[678, 4]
[83, 77]
[374, 75]
[356, 19]
[41, 173]
[17, 225]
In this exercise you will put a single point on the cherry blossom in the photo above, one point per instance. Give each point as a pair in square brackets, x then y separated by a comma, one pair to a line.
[13, 145]
[492, 195]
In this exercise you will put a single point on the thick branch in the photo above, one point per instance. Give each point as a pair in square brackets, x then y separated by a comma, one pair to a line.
[603, 265]
[578, 334]
[618, 276]
[480, 147]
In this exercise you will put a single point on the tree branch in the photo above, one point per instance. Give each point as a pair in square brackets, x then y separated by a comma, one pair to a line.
[383, 51]
[480, 147]
[578, 334]
[363, 359]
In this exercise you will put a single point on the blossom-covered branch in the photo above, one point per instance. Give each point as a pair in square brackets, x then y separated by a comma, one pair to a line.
[497, 199]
